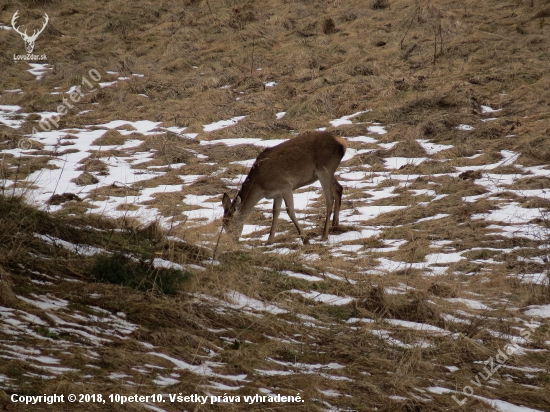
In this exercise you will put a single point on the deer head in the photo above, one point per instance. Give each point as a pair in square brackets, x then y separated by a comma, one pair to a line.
[232, 222]
[29, 40]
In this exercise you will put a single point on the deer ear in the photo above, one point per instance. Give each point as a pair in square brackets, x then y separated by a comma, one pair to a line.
[237, 205]
[226, 202]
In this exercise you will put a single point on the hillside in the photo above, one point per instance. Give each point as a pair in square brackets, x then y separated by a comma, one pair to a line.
[432, 294]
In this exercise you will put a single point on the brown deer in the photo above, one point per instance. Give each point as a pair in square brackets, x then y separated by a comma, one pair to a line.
[281, 169]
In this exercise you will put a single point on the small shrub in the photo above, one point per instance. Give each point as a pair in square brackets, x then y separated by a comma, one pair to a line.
[119, 269]
[328, 26]
[44, 331]
[113, 269]
[65, 197]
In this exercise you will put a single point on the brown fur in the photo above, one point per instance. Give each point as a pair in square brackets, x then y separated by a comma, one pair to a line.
[288, 166]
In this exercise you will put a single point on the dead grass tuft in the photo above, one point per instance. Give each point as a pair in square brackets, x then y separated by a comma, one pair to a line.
[418, 309]
[219, 153]
[117, 190]
[529, 183]
[427, 168]
[444, 290]
[7, 296]
[111, 137]
[407, 148]
[534, 202]
[535, 151]
[65, 197]
[169, 148]
[94, 165]
[470, 175]
[85, 179]
[375, 301]
[495, 129]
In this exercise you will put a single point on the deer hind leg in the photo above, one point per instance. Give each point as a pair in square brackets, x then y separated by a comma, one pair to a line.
[276, 210]
[337, 191]
[289, 202]
[326, 180]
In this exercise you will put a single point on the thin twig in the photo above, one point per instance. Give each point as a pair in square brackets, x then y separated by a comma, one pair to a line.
[208, 4]
[16, 176]
[216, 248]
[408, 28]
[61, 174]
[252, 58]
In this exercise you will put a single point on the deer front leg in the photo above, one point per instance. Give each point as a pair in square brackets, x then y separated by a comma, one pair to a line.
[289, 202]
[276, 210]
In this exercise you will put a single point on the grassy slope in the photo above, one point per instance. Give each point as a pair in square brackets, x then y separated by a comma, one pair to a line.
[381, 59]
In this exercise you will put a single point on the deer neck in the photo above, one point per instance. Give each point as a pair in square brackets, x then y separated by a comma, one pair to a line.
[250, 195]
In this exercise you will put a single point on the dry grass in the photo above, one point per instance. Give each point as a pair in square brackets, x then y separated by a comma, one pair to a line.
[421, 69]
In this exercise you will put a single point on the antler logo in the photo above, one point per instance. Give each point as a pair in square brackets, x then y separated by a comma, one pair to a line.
[29, 40]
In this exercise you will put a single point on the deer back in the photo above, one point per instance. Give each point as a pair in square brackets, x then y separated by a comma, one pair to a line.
[295, 162]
